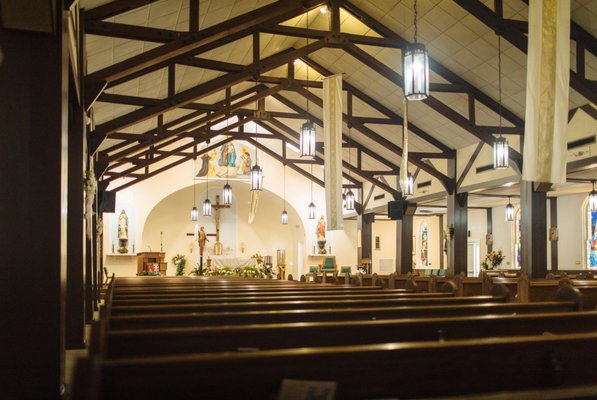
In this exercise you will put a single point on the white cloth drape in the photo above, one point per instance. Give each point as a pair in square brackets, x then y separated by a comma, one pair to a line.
[548, 76]
[255, 194]
[332, 129]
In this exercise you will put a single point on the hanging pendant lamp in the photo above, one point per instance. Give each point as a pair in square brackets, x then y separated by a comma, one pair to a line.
[311, 207]
[349, 197]
[256, 171]
[593, 199]
[227, 190]
[307, 133]
[284, 213]
[509, 212]
[207, 203]
[501, 149]
[194, 212]
[415, 67]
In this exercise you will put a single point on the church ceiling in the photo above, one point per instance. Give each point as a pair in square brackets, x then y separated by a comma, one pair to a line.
[163, 88]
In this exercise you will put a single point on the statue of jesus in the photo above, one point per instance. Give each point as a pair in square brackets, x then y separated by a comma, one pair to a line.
[202, 239]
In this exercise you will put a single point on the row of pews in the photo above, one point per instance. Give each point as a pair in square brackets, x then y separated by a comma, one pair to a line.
[520, 288]
[233, 338]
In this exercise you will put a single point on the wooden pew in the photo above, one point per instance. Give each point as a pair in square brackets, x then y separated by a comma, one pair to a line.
[142, 343]
[402, 370]
[304, 305]
[225, 298]
[151, 321]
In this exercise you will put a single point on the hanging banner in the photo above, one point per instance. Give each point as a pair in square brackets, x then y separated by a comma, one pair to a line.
[255, 194]
[548, 76]
[332, 130]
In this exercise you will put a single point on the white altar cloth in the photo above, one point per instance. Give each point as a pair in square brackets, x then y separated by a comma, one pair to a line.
[233, 262]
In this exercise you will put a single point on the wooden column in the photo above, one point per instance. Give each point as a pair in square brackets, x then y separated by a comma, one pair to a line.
[489, 229]
[89, 254]
[365, 225]
[553, 222]
[441, 241]
[75, 311]
[533, 228]
[458, 226]
[404, 239]
[33, 203]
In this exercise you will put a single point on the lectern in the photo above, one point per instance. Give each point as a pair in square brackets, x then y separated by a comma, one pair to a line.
[152, 261]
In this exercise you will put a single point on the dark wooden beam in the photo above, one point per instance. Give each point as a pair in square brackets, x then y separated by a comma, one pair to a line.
[446, 182]
[469, 164]
[512, 34]
[245, 24]
[206, 63]
[131, 32]
[172, 165]
[434, 65]
[553, 223]
[194, 15]
[359, 146]
[190, 95]
[380, 107]
[114, 8]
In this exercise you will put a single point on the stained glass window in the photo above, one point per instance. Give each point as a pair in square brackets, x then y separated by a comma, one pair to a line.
[424, 246]
[591, 238]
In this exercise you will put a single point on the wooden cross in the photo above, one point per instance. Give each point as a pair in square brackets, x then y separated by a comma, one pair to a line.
[218, 207]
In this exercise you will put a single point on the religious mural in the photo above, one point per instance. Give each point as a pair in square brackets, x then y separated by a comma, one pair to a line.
[231, 159]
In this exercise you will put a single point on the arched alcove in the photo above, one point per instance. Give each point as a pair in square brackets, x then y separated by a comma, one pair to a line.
[171, 217]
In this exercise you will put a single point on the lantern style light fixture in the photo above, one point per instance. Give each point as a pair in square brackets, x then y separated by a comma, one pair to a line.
[307, 137]
[593, 199]
[311, 207]
[349, 198]
[409, 185]
[509, 213]
[256, 172]
[194, 212]
[227, 190]
[284, 213]
[207, 203]
[501, 149]
[415, 67]
[307, 132]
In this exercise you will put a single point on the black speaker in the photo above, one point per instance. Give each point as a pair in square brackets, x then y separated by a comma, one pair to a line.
[107, 201]
[395, 209]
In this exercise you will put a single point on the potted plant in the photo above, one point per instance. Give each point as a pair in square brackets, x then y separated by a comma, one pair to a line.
[492, 260]
[179, 262]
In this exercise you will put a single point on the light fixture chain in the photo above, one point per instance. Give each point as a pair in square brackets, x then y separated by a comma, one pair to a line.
[500, 83]
[415, 19]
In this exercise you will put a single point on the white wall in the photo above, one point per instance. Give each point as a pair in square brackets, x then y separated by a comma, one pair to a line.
[503, 235]
[570, 228]
[386, 230]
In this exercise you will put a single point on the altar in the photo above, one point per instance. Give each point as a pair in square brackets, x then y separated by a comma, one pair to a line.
[232, 262]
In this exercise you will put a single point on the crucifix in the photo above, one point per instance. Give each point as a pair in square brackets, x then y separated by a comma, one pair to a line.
[202, 236]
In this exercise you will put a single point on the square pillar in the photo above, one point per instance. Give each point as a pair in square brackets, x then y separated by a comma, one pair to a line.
[404, 239]
[33, 203]
[533, 228]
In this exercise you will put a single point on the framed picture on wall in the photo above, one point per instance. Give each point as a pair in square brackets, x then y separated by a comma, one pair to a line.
[376, 242]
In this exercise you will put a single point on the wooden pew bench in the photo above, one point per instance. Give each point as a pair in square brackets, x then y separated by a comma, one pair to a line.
[152, 321]
[402, 370]
[224, 298]
[163, 341]
[298, 304]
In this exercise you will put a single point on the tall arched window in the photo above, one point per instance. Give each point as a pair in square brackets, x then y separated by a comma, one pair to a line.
[517, 239]
[424, 245]
[590, 235]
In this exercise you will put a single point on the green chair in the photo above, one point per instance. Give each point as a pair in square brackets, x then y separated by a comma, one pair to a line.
[329, 264]
[345, 270]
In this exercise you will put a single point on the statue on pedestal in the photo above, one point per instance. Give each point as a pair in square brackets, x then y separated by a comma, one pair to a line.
[202, 239]
[123, 233]
[321, 235]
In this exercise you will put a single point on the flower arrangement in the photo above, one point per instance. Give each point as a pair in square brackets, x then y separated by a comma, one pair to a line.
[149, 273]
[492, 260]
[258, 257]
[179, 262]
